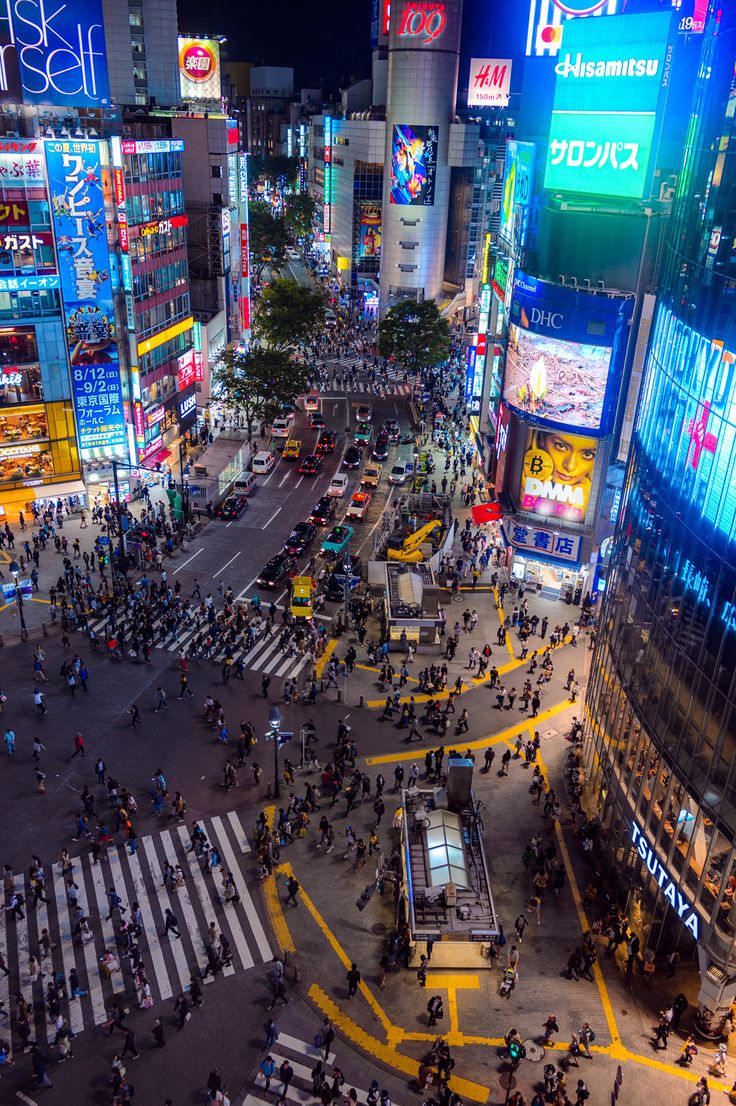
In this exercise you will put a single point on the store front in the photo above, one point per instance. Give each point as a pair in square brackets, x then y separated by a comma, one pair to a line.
[547, 560]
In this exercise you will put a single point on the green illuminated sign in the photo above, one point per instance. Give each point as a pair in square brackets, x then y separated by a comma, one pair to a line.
[605, 155]
[608, 83]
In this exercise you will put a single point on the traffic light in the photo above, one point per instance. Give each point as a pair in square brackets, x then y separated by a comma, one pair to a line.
[517, 1052]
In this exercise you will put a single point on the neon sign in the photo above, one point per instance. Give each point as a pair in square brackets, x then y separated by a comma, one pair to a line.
[667, 885]
[422, 20]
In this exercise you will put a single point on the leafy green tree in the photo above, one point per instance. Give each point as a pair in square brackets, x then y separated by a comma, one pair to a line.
[258, 382]
[268, 238]
[299, 214]
[288, 314]
[414, 334]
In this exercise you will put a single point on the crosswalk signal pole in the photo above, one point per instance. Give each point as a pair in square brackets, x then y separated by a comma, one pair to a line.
[274, 721]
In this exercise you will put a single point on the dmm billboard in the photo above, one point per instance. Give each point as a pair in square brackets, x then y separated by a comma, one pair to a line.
[607, 91]
[78, 217]
[565, 351]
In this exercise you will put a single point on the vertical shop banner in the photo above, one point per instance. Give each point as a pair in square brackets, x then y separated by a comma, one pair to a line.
[78, 216]
[413, 165]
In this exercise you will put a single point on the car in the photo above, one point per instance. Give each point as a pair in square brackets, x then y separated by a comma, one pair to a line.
[326, 442]
[281, 428]
[233, 507]
[392, 430]
[400, 472]
[359, 504]
[300, 538]
[352, 457]
[302, 596]
[334, 587]
[292, 254]
[311, 402]
[276, 570]
[292, 450]
[336, 542]
[323, 510]
[338, 485]
[380, 449]
[315, 420]
[371, 476]
[363, 433]
[364, 412]
[330, 317]
[311, 465]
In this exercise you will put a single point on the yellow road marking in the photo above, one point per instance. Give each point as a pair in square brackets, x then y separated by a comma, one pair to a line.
[454, 982]
[340, 951]
[275, 910]
[469, 684]
[385, 1053]
[322, 662]
[527, 723]
[502, 619]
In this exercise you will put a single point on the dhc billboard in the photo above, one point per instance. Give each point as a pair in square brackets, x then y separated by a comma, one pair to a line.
[53, 52]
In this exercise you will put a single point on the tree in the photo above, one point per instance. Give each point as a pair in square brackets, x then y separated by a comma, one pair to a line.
[268, 238]
[415, 334]
[279, 169]
[288, 313]
[299, 214]
[258, 383]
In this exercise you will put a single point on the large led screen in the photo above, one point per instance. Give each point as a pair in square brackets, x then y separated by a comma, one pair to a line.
[413, 165]
[557, 474]
[369, 242]
[564, 355]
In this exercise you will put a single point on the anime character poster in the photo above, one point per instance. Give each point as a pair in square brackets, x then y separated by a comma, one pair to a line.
[413, 165]
[370, 231]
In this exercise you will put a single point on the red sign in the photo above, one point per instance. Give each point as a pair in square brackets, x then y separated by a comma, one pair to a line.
[119, 185]
[246, 312]
[486, 512]
[123, 236]
[244, 260]
[198, 62]
[138, 411]
[422, 20]
[187, 373]
[162, 226]
[17, 147]
[199, 366]
[385, 16]
[14, 214]
[481, 346]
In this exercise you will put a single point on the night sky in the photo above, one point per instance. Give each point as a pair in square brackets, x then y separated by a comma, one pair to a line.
[326, 41]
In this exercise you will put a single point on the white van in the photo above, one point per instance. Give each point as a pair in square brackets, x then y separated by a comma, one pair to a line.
[245, 484]
[263, 462]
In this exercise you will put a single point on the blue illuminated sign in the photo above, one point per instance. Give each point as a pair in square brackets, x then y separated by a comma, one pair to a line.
[666, 883]
[687, 418]
[59, 49]
[28, 283]
[564, 356]
[78, 216]
[533, 539]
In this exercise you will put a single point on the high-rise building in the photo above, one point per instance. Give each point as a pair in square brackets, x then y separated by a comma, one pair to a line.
[142, 54]
[661, 701]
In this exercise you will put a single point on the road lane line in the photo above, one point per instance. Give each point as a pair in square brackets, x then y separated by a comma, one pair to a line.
[226, 565]
[206, 903]
[238, 831]
[232, 920]
[284, 478]
[149, 925]
[228, 855]
[66, 940]
[186, 562]
[182, 894]
[267, 524]
[154, 866]
[108, 930]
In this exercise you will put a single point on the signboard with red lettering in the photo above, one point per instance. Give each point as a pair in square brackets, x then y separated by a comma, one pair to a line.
[489, 83]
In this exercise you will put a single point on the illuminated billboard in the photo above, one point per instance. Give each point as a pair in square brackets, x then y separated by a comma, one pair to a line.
[687, 418]
[489, 83]
[557, 474]
[369, 241]
[199, 69]
[518, 185]
[53, 54]
[608, 82]
[547, 18]
[413, 165]
[564, 355]
[78, 217]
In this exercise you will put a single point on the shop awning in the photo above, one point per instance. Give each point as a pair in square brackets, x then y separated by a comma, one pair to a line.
[60, 491]
[156, 457]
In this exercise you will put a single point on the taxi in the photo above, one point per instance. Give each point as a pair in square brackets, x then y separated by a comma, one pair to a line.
[371, 476]
[336, 542]
[359, 505]
[302, 597]
[292, 450]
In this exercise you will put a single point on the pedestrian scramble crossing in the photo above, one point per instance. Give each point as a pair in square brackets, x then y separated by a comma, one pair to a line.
[169, 962]
[264, 655]
[299, 1090]
[393, 377]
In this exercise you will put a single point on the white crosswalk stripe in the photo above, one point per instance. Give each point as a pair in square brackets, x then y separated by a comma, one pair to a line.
[263, 656]
[300, 1087]
[169, 962]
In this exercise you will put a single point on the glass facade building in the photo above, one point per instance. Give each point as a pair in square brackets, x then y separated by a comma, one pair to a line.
[661, 702]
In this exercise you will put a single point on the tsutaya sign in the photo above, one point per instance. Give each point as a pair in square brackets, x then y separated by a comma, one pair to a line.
[669, 889]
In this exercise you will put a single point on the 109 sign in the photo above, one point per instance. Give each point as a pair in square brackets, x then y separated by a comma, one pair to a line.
[423, 21]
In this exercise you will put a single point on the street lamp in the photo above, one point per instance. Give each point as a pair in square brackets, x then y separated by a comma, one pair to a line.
[15, 569]
[274, 722]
